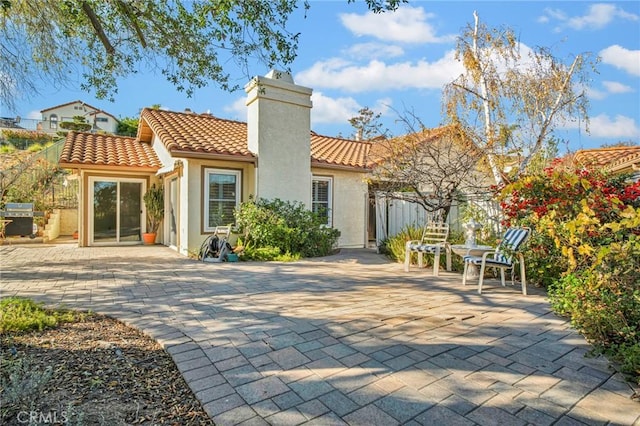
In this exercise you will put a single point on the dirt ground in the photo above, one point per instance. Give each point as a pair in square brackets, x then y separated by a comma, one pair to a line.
[94, 372]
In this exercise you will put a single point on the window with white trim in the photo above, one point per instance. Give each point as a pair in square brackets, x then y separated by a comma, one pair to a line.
[222, 189]
[321, 197]
[53, 121]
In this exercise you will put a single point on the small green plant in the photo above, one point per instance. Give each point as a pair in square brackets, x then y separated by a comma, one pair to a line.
[36, 147]
[21, 386]
[268, 254]
[154, 203]
[21, 315]
[7, 149]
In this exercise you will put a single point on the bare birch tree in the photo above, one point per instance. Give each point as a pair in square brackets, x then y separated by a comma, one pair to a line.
[510, 97]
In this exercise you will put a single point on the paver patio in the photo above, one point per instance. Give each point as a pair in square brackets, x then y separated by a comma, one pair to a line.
[346, 339]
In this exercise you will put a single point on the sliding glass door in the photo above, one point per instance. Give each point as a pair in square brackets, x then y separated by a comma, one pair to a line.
[116, 215]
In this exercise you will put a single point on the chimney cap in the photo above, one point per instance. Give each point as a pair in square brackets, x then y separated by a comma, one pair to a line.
[280, 75]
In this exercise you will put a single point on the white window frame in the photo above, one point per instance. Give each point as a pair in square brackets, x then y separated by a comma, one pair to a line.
[329, 196]
[206, 195]
[53, 121]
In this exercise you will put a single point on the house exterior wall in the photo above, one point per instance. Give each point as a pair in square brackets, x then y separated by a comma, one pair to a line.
[104, 122]
[191, 183]
[349, 209]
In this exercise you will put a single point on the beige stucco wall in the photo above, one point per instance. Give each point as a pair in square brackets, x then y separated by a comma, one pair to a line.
[68, 221]
[191, 227]
[349, 213]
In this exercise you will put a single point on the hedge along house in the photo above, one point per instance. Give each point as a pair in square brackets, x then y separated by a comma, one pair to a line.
[208, 166]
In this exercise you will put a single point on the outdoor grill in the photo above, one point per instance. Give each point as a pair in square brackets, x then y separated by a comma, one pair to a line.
[21, 217]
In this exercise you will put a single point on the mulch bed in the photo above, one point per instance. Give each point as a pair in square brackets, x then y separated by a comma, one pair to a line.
[102, 373]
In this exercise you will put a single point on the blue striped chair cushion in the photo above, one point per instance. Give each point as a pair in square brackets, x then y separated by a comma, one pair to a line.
[489, 261]
[513, 238]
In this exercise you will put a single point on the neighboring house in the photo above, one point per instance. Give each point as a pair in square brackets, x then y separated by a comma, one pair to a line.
[619, 159]
[101, 121]
[209, 165]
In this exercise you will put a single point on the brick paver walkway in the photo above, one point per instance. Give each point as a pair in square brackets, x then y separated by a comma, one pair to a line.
[347, 339]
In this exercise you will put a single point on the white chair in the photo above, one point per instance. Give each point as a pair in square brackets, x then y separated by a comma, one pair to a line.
[501, 258]
[433, 241]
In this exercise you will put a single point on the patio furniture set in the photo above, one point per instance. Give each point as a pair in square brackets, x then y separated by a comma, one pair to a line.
[504, 257]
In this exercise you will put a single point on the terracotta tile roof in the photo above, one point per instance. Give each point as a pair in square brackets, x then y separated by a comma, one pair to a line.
[91, 149]
[189, 133]
[194, 133]
[608, 157]
[399, 145]
[339, 152]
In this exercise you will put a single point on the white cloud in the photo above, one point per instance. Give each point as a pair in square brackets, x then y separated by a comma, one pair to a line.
[382, 105]
[373, 51]
[238, 109]
[611, 87]
[406, 25]
[595, 93]
[603, 126]
[555, 14]
[615, 87]
[326, 110]
[598, 16]
[332, 110]
[619, 57]
[377, 75]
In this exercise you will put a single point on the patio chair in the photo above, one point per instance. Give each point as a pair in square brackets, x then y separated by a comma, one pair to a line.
[501, 258]
[433, 241]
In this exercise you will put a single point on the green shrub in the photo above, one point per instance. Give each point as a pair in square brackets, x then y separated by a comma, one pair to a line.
[603, 299]
[22, 315]
[289, 227]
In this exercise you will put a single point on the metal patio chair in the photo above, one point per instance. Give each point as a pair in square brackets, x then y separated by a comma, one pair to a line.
[502, 258]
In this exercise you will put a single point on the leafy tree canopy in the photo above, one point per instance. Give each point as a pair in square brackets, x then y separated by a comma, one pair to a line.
[127, 126]
[190, 42]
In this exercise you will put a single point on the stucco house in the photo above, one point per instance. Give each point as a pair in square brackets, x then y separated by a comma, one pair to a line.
[101, 121]
[209, 165]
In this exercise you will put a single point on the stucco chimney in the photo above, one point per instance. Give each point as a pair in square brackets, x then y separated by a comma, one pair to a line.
[278, 132]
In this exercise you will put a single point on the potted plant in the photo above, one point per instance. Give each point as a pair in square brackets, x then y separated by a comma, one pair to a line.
[154, 203]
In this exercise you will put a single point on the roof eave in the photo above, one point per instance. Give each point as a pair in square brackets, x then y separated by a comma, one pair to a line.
[320, 165]
[111, 167]
[214, 156]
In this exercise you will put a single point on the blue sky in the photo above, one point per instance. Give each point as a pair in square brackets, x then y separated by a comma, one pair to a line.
[398, 62]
